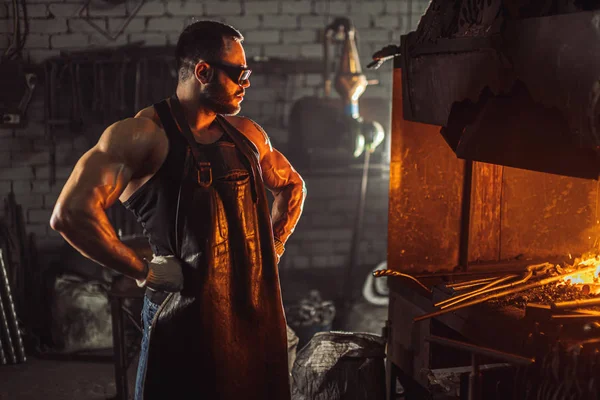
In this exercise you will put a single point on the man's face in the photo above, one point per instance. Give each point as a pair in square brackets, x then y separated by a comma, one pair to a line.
[221, 94]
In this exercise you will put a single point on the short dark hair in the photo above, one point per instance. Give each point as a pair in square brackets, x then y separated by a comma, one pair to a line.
[202, 40]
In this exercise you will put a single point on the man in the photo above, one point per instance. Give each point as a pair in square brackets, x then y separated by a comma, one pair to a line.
[195, 175]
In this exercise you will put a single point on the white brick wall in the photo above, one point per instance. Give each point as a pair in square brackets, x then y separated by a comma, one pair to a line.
[275, 28]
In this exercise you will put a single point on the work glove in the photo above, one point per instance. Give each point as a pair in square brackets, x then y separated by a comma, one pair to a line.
[164, 274]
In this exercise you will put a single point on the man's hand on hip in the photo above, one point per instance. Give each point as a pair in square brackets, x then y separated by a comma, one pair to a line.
[164, 274]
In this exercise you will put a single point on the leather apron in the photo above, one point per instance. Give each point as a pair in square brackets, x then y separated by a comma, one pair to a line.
[224, 335]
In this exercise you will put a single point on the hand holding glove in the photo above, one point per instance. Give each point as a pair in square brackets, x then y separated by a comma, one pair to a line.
[164, 274]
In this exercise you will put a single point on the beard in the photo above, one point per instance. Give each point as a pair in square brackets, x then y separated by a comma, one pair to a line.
[217, 99]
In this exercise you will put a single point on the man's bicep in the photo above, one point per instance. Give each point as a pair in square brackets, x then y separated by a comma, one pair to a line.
[98, 179]
[277, 170]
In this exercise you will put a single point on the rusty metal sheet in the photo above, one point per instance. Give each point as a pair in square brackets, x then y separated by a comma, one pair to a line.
[486, 200]
[425, 191]
[546, 215]
[514, 212]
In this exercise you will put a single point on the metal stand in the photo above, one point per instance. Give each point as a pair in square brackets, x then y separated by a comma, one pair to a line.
[121, 290]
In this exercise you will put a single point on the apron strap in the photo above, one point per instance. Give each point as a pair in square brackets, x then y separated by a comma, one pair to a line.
[202, 163]
[246, 148]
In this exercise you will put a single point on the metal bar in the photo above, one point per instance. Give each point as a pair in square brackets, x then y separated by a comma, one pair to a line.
[475, 379]
[465, 216]
[11, 313]
[489, 288]
[473, 281]
[119, 348]
[464, 296]
[576, 318]
[390, 272]
[564, 305]
[356, 233]
[2, 355]
[542, 282]
[482, 351]
[6, 331]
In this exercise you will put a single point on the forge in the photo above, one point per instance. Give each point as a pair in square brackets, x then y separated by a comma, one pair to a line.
[493, 228]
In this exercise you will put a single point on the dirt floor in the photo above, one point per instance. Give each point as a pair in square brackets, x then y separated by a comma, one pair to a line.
[38, 379]
[73, 379]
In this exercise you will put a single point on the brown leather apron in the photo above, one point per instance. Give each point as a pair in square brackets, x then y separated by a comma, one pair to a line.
[224, 335]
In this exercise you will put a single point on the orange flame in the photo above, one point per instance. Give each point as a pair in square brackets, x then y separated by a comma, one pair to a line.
[586, 278]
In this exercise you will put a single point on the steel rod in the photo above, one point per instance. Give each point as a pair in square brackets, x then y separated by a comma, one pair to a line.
[482, 351]
[465, 215]
[11, 313]
[487, 289]
[474, 281]
[564, 305]
[2, 355]
[5, 330]
[390, 272]
[464, 296]
[539, 283]
[530, 269]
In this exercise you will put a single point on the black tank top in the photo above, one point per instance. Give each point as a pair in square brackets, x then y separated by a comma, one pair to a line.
[155, 203]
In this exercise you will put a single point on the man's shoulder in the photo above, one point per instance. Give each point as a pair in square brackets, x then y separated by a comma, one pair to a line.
[140, 132]
[251, 130]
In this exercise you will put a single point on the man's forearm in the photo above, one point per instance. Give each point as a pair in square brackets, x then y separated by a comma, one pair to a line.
[93, 236]
[287, 208]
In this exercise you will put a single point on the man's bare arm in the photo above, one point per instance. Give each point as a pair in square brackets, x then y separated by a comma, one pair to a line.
[126, 150]
[285, 183]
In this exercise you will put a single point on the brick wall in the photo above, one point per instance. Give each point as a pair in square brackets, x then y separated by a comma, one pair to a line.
[284, 28]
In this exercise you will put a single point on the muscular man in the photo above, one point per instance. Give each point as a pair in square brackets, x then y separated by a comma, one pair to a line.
[195, 176]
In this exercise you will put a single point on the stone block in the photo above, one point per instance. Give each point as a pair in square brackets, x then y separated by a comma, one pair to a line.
[262, 7]
[106, 10]
[64, 10]
[69, 41]
[368, 7]
[149, 39]
[243, 23]
[280, 21]
[311, 50]
[299, 36]
[185, 8]
[387, 21]
[296, 7]
[49, 26]
[262, 36]
[282, 50]
[165, 24]
[152, 9]
[135, 25]
[223, 8]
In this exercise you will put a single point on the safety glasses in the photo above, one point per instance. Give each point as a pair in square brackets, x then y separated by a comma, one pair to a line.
[237, 74]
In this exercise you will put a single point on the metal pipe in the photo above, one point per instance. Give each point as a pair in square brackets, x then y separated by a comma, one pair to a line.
[564, 305]
[481, 351]
[542, 282]
[465, 216]
[356, 233]
[475, 379]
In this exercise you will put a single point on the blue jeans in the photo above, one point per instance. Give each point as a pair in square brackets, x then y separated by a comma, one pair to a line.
[148, 312]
